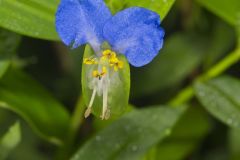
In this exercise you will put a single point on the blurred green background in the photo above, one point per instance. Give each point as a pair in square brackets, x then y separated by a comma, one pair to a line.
[185, 105]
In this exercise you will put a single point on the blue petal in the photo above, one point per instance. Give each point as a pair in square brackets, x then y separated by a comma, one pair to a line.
[136, 33]
[81, 21]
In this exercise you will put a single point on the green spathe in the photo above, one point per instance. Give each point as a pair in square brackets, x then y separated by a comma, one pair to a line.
[94, 89]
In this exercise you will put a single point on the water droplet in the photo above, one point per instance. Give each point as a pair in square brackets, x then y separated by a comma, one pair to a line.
[134, 148]
[127, 128]
[202, 94]
[168, 132]
[98, 138]
[117, 145]
[76, 156]
[229, 121]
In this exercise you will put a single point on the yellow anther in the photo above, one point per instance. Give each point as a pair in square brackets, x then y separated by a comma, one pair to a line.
[104, 71]
[95, 73]
[98, 74]
[108, 54]
[89, 61]
[116, 64]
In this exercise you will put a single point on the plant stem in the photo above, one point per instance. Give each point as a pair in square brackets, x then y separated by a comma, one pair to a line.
[76, 120]
[75, 123]
[187, 93]
[77, 117]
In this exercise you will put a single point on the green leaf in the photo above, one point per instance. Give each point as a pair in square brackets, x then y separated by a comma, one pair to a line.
[186, 136]
[234, 143]
[29, 17]
[226, 9]
[9, 42]
[99, 125]
[28, 149]
[220, 42]
[221, 98]
[115, 5]
[132, 135]
[179, 57]
[10, 140]
[118, 89]
[162, 7]
[21, 94]
[4, 64]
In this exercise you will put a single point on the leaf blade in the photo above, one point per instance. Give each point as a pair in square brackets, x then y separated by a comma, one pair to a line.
[31, 18]
[10, 140]
[162, 7]
[220, 98]
[227, 10]
[135, 134]
[44, 114]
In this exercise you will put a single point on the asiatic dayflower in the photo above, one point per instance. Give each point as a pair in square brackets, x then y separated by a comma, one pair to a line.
[134, 32]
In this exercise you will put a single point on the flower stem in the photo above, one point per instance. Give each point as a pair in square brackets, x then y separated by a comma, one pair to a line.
[77, 117]
[75, 123]
[187, 93]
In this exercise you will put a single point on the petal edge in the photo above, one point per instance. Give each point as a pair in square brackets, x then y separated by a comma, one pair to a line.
[136, 33]
[81, 21]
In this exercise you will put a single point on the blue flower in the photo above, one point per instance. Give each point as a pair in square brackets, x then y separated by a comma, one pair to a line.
[134, 32]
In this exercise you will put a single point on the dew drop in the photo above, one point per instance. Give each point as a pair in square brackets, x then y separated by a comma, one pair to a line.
[168, 132]
[76, 156]
[127, 127]
[117, 145]
[134, 148]
[229, 121]
[98, 138]
[202, 94]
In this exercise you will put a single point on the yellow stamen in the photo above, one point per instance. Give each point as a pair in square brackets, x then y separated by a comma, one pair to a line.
[89, 61]
[98, 74]
[104, 71]
[108, 54]
[116, 64]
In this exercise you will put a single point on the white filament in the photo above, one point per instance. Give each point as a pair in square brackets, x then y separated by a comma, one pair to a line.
[89, 109]
[105, 100]
[92, 98]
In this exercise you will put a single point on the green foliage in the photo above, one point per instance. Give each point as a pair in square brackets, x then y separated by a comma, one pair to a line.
[221, 98]
[186, 135]
[9, 42]
[4, 64]
[226, 9]
[162, 7]
[234, 143]
[159, 74]
[36, 18]
[10, 140]
[21, 94]
[29, 17]
[193, 54]
[222, 39]
[136, 132]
